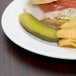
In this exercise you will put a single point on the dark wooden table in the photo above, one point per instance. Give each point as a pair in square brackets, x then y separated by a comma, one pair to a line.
[15, 61]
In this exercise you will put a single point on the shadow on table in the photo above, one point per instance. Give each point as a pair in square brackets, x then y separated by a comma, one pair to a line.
[41, 62]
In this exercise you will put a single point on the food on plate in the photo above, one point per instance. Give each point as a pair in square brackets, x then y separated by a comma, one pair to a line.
[51, 20]
[41, 1]
[70, 24]
[36, 11]
[64, 17]
[67, 43]
[37, 28]
[67, 33]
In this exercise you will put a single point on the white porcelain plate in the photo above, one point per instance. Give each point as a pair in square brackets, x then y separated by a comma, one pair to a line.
[14, 31]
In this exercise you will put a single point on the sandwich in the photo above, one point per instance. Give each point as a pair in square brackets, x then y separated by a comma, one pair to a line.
[51, 20]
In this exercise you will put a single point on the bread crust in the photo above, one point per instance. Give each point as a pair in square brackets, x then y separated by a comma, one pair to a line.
[41, 1]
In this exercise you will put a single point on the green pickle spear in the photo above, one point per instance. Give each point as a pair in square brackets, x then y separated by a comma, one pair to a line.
[35, 27]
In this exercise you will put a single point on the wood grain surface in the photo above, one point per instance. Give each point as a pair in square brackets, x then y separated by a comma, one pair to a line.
[15, 61]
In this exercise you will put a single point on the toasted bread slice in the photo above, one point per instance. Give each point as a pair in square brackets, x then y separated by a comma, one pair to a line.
[41, 1]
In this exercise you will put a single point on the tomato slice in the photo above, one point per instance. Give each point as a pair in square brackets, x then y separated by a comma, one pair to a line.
[58, 5]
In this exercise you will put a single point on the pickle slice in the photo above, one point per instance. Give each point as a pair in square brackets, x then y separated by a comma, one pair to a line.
[35, 27]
